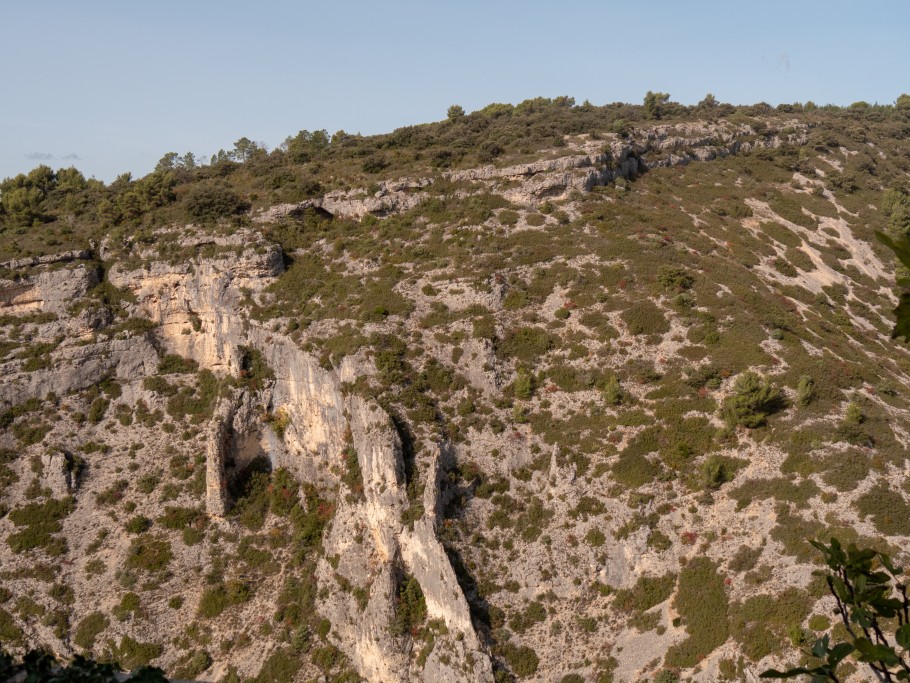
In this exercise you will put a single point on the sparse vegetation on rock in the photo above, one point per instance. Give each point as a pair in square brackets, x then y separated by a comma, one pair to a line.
[546, 391]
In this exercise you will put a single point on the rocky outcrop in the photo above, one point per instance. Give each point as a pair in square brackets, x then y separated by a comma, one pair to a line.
[195, 307]
[47, 259]
[390, 198]
[57, 472]
[49, 291]
[218, 447]
[455, 659]
[77, 367]
[584, 167]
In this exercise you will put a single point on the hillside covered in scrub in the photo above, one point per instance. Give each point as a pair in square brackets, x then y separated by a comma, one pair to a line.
[545, 392]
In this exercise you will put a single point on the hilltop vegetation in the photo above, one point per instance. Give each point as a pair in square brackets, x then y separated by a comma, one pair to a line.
[654, 342]
[73, 210]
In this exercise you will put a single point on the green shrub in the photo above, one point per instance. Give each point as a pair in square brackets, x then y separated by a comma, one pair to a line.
[282, 492]
[745, 559]
[805, 391]
[172, 364]
[353, 477]
[845, 470]
[39, 523]
[754, 399]
[675, 279]
[410, 608]
[97, 410]
[819, 622]
[635, 469]
[131, 654]
[717, 470]
[281, 666]
[523, 386]
[889, 511]
[595, 538]
[207, 203]
[219, 597]
[779, 488]
[10, 633]
[113, 494]
[251, 496]
[507, 217]
[179, 518]
[612, 391]
[534, 613]
[279, 421]
[192, 664]
[254, 370]
[648, 592]
[644, 317]
[149, 553]
[527, 344]
[95, 567]
[129, 605]
[762, 623]
[521, 659]
[600, 324]
[701, 601]
[159, 385]
[138, 524]
[196, 403]
[88, 629]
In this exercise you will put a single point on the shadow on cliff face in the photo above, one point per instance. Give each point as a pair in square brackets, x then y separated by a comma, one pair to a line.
[414, 483]
[245, 474]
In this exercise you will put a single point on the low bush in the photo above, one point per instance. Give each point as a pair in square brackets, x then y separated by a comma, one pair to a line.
[172, 364]
[192, 664]
[131, 654]
[219, 597]
[39, 523]
[138, 524]
[717, 470]
[522, 660]
[527, 344]
[889, 510]
[644, 318]
[150, 554]
[88, 629]
[353, 477]
[206, 203]
[701, 601]
[113, 494]
[648, 592]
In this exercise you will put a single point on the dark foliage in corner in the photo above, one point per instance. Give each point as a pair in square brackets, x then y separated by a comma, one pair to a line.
[871, 599]
[40, 667]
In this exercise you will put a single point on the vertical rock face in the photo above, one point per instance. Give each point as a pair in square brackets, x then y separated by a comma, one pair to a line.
[57, 474]
[459, 658]
[367, 547]
[218, 444]
[78, 367]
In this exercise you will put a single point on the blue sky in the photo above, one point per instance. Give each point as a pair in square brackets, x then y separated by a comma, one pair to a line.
[111, 86]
